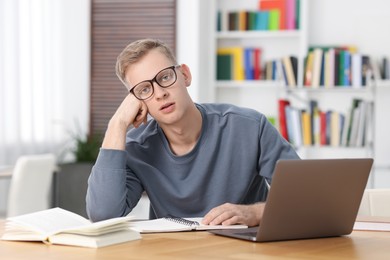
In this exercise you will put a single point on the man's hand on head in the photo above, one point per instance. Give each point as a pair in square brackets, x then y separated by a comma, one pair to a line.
[130, 112]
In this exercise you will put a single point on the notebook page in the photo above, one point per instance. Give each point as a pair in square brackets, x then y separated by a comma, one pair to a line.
[158, 225]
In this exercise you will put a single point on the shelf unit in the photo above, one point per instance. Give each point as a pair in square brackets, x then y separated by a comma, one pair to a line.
[256, 94]
[262, 95]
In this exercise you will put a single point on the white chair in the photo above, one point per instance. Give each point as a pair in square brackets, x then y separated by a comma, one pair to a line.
[375, 202]
[141, 211]
[31, 184]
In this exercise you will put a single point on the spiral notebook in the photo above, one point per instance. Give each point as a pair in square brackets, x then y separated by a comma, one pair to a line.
[176, 224]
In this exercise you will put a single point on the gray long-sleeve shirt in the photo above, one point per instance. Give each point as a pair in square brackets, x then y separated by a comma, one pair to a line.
[236, 150]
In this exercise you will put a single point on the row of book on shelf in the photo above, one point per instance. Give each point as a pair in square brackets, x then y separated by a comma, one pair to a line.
[324, 67]
[238, 63]
[337, 66]
[316, 127]
[269, 15]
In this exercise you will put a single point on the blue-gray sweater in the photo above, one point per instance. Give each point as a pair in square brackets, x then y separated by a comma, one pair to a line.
[236, 150]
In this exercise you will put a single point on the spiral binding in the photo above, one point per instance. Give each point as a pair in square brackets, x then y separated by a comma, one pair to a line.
[182, 221]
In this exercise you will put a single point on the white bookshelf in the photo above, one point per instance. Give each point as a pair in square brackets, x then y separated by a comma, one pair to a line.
[262, 95]
[256, 94]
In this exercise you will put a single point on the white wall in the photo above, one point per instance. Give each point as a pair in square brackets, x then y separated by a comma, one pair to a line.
[187, 45]
[360, 22]
[193, 30]
[75, 31]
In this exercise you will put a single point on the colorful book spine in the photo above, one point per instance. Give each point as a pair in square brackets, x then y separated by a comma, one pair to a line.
[277, 10]
[224, 67]
[356, 70]
[291, 80]
[262, 20]
[297, 14]
[347, 68]
[238, 60]
[257, 64]
[317, 62]
[322, 128]
[308, 76]
[290, 14]
[282, 117]
[249, 63]
[335, 129]
[306, 128]
[274, 20]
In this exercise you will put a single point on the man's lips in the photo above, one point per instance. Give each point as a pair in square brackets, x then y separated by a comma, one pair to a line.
[166, 106]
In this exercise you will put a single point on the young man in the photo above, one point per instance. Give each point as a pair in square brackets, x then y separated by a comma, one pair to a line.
[211, 160]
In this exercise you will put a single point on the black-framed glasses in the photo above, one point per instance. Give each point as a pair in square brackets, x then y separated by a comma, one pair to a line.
[165, 78]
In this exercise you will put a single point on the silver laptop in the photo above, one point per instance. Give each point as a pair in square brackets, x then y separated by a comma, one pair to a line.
[310, 199]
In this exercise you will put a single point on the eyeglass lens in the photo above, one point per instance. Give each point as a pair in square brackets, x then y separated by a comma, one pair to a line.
[164, 79]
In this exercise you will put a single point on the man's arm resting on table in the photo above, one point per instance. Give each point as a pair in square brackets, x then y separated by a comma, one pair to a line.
[230, 214]
[107, 190]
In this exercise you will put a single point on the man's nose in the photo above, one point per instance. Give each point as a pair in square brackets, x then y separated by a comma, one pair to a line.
[159, 91]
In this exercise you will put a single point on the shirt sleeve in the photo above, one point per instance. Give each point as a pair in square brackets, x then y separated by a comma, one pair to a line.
[272, 148]
[113, 191]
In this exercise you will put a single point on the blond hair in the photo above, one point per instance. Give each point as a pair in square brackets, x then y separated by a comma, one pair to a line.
[135, 51]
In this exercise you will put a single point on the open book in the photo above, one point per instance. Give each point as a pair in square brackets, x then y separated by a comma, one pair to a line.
[176, 224]
[59, 226]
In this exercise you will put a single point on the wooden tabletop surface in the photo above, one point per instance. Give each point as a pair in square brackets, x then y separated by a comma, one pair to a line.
[203, 245]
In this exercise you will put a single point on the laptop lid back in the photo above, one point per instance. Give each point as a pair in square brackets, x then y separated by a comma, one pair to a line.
[313, 198]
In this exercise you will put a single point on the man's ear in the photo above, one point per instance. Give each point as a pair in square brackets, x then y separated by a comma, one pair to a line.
[185, 70]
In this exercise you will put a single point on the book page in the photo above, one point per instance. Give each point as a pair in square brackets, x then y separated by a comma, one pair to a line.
[50, 221]
[102, 227]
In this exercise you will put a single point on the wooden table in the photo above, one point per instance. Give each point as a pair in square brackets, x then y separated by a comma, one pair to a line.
[203, 245]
